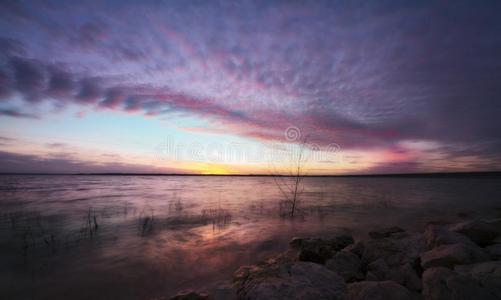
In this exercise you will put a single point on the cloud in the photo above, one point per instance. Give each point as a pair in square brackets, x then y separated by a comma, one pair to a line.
[66, 163]
[56, 145]
[60, 84]
[16, 114]
[29, 77]
[362, 75]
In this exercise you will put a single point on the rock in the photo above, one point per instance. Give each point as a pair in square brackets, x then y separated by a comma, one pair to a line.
[494, 251]
[486, 274]
[438, 235]
[443, 284]
[347, 265]
[222, 291]
[386, 232]
[299, 280]
[395, 252]
[480, 232]
[378, 290]
[306, 243]
[341, 242]
[357, 248]
[190, 295]
[496, 223]
[488, 267]
[378, 271]
[409, 278]
[435, 283]
[297, 242]
[451, 255]
[312, 250]
[404, 275]
[311, 256]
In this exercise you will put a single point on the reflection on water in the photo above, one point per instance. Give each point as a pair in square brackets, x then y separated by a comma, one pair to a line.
[133, 237]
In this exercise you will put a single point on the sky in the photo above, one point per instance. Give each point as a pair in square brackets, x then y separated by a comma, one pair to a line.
[241, 87]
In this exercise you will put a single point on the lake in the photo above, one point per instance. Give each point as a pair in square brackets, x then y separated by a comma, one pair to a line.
[140, 237]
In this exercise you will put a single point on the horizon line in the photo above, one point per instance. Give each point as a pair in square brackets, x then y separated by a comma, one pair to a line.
[420, 174]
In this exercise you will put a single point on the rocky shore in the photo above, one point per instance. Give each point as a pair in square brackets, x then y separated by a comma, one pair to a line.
[446, 261]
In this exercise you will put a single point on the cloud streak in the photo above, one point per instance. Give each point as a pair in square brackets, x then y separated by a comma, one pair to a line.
[366, 75]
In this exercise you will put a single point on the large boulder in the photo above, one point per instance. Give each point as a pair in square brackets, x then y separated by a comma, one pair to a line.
[340, 242]
[404, 274]
[439, 235]
[296, 280]
[222, 291]
[312, 249]
[347, 265]
[487, 274]
[444, 284]
[478, 231]
[395, 251]
[378, 290]
[357, 248]
[451, 255]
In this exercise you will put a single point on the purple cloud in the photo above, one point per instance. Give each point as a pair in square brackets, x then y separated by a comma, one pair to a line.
[365, 75]
[65, 163]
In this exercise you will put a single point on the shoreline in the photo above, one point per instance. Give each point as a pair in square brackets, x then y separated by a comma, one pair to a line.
[442, 262]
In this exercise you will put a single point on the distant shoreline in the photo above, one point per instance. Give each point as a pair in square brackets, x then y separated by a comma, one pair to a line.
[399, 175]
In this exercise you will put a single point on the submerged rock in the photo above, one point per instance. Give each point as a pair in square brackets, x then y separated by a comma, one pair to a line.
[451, 255]
[378, 290]
[347, 265]
[298, 280]
[480, 232]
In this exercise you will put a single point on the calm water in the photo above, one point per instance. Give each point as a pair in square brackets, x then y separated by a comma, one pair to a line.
[132, 237]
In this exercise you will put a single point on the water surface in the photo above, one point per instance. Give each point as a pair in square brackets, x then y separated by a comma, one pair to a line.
[138, 237]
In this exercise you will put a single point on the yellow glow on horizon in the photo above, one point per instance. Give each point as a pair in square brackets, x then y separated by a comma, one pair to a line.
[214, 170]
